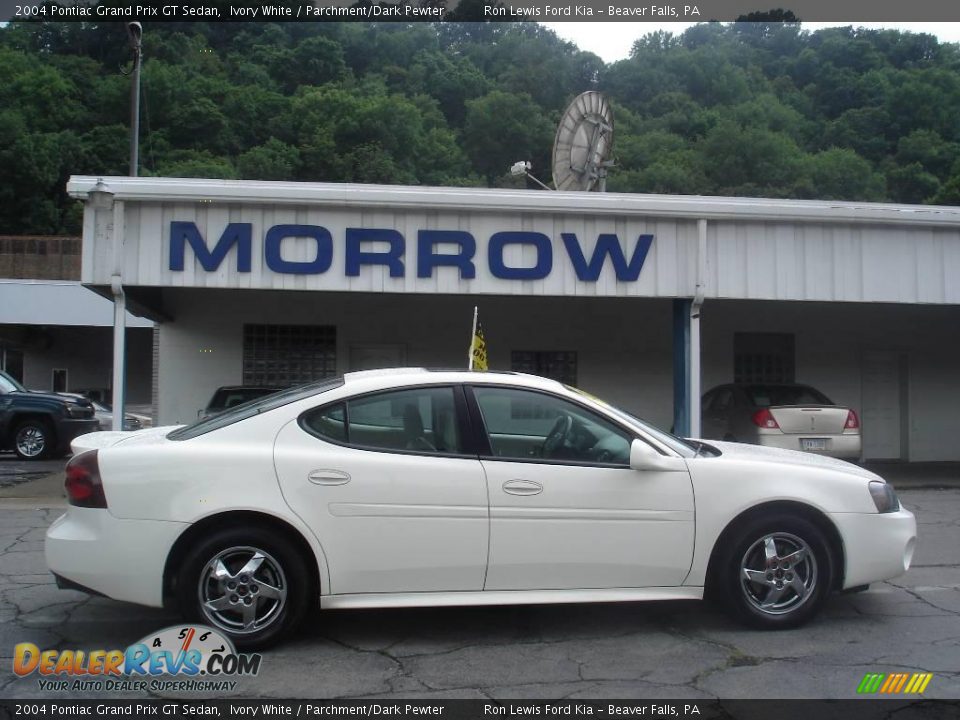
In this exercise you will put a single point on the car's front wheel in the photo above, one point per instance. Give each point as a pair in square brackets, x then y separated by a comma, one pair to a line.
[33, 440]
[777, 573]
[251, 584]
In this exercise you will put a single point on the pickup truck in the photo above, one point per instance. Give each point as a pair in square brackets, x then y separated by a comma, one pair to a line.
[38, 425]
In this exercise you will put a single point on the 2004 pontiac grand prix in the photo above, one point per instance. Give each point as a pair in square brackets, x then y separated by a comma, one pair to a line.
[423, 488]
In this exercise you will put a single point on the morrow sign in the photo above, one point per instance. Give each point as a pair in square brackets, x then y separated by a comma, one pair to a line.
[387, 248]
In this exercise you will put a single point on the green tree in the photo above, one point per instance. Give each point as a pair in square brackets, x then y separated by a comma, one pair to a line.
[274, 160]
[502, 128]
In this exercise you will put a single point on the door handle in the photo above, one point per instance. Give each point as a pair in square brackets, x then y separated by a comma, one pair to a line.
[522, 487]
[329, 477]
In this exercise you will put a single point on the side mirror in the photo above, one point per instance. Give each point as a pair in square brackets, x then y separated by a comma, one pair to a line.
[644, 457]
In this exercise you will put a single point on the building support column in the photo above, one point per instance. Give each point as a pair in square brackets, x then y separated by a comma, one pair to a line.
[119, 319]
[686, 349]
[681, 366]
[119, 352]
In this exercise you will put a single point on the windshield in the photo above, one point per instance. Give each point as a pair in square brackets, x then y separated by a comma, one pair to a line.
[253, 407]
[678, 445]
[8, 384]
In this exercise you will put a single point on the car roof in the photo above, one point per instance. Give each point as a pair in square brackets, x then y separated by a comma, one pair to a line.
[387, 377]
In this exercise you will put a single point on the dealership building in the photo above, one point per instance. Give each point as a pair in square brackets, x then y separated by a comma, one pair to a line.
[645, 300]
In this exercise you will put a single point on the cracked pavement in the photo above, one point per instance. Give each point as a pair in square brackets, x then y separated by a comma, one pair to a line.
[664, 650]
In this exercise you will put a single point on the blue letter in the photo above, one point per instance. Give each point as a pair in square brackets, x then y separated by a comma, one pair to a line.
[134, 658]
[276, 234]
[607, 244]
[544, 255]
[238, 234]
[427, 259]
[392, 258]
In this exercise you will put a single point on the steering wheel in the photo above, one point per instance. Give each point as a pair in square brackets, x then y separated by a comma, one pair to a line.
[558, 433]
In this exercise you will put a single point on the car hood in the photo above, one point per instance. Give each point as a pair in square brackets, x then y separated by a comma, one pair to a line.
[789, 457]
[51, 397]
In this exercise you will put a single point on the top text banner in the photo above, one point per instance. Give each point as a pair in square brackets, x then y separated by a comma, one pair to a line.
[846, 11]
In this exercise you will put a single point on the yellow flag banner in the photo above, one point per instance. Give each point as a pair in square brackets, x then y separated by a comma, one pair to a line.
[478, 349]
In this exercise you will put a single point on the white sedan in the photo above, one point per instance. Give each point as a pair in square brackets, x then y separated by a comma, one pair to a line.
[409, 488]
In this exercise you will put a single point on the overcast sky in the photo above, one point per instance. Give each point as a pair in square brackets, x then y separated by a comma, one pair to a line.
[612, 40]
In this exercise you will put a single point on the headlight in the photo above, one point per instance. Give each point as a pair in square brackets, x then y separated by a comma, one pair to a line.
[79, 411]
[884, 497]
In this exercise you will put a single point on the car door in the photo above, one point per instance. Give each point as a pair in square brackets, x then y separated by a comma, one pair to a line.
[386, 484]
[566, 510]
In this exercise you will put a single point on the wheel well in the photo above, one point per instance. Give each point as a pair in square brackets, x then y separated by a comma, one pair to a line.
[835, 542]
[18, 419]
[233, 519]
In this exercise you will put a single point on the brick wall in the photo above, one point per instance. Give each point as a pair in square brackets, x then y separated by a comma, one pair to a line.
[36, 257]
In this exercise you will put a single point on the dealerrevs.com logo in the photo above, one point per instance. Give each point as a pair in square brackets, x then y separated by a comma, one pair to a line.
[180, 658]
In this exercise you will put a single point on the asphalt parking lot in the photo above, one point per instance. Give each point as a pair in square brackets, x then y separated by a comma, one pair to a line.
[670, 650]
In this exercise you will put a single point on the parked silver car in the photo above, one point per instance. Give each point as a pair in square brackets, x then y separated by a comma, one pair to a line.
[104, 415]
[789, 416]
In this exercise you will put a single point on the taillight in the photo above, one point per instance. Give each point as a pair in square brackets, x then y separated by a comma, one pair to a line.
[84, 488]
[764, 418]
[853, 422]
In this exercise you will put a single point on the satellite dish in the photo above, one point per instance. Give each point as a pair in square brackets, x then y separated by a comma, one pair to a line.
[584, 141]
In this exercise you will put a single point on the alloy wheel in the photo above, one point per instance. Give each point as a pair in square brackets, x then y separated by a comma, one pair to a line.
[242, 590]
[778, 573]
[31, 441]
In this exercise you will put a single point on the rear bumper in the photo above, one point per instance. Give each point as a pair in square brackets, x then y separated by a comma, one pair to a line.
[845, 447]
[122, 559]
[877, 546]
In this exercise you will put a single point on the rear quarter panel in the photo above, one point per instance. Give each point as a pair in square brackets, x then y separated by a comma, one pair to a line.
[149, 477]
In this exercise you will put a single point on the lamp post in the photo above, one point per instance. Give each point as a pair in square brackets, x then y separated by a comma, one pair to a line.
[135, 33]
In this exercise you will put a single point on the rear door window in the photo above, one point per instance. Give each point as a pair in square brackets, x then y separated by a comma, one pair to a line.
[414, 420]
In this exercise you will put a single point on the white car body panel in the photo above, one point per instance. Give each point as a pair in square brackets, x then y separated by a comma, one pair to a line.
[400, 533]
[122, 559]
[401, 523]
[587, 527]
[729, 485]
[506, 597]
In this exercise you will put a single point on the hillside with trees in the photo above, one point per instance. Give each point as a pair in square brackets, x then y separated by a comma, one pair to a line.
[754, 109]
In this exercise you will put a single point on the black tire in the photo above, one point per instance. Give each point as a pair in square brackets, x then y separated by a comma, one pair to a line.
[282, 569]
[34, 439]
[787, 588]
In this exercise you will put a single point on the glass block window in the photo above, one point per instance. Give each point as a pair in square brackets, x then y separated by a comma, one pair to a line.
[763, 358]
[284, 355]
[556, 365]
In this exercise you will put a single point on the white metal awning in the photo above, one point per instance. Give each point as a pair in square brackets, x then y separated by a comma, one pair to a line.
[56, 302]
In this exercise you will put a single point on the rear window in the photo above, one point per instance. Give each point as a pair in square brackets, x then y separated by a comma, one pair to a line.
[774, 395]
[253, 407]
[225, 398]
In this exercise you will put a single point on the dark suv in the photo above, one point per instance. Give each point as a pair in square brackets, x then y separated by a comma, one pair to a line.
[39, 425]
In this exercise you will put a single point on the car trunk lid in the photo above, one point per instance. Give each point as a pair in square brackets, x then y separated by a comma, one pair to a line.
[109, 438]
[810, 419]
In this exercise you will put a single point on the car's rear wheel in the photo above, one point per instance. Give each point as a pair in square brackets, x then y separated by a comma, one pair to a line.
[777, 573]
[33, 439]
[251, 584]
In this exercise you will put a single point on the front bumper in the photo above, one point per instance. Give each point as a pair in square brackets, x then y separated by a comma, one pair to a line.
[68, 429]
[877, 546]
[844, 447]
[122, 559]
